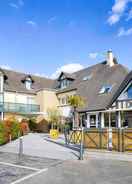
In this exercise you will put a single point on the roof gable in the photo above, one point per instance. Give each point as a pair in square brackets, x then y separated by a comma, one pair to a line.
[102, 75]
[15, 80]
[124, 85]
[64, 75]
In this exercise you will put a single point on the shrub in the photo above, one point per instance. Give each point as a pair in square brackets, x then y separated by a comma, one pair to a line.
[12, 128]
[24, 128]
[8, 125]
[15, 130]
[32, 124]
[3, 134]
[43, 126]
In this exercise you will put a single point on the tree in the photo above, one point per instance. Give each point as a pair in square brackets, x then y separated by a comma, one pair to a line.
[75, 101]
[54, 116]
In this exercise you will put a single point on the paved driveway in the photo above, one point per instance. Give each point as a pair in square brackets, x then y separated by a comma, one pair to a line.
[58, 164]
[42, 146]
[85, 172]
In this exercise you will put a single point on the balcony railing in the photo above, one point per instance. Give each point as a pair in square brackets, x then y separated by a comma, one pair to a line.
[19, 107]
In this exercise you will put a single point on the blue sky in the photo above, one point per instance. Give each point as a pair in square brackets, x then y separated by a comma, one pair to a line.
[42, 36]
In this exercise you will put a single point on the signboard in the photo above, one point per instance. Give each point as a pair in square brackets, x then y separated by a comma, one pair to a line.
[54, 134]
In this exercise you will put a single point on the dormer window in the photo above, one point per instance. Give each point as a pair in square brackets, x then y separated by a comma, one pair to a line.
[65, 80]
[28, 82]
[64, 83]
[105, 89]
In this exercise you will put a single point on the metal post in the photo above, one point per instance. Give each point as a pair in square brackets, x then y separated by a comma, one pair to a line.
[110, 134]
[81, 145]
[110, 139]
[20, 148]
[109, 120]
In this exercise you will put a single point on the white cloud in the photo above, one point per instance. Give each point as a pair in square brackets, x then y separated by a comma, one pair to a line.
[69, 68]
[32, 23]
[52, 19]
[93, 55]
[113, 19]
[7, 67]
[123, 32]
[41, 75]
[13, 5]
[118, 10]
[17, 5]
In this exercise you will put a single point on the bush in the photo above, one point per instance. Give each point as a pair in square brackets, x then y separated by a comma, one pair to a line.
[3, 134]
[24, 128]
[43, 126]
[32, 124]
[12, 128]
[15, 130]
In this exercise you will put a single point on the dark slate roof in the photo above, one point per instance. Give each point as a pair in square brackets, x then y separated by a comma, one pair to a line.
[14, 82]
[122, 87]
[101, 74]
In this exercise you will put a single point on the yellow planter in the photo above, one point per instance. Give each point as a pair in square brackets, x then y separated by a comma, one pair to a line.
[54, 134]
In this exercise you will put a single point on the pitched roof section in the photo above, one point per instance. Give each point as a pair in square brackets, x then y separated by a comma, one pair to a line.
[101, 74]
[14, 82]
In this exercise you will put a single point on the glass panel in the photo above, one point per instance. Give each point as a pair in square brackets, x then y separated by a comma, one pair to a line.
[129, 92]
[105, 89]
[30, 100]
[112, 117]
[92, 120]
[21, 108]
[28, 85]
[64, 83]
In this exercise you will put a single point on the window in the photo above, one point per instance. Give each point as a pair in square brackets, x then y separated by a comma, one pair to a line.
[113, 119]
[64, 83]
[28, 83]
[88, 77]
[92, 120]
[30, 100]
[63, 101]
[129, 92]
[105, 89]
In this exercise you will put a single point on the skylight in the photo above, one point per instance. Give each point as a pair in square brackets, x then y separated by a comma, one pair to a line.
[105, 89]
[88, 77]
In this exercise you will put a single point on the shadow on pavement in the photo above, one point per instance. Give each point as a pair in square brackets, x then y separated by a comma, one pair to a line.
[74, 148]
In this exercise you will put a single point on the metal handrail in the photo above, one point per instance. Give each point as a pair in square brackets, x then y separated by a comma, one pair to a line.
[19, 107]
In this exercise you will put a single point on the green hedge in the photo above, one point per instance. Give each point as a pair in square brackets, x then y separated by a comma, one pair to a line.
[15, 130]
[3, 134]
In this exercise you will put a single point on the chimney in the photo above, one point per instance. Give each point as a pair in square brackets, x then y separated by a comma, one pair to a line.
[110, 58]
